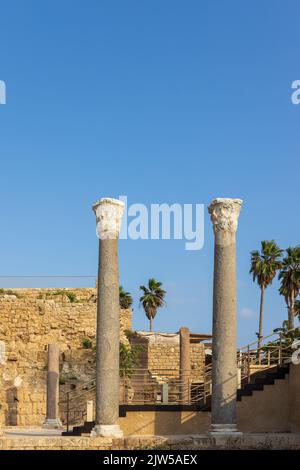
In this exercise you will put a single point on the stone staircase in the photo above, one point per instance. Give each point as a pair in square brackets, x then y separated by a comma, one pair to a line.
[257, 382]
[260, 379]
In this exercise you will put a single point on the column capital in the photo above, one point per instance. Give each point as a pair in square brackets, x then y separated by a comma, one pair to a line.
[109, 214]
[224, 213]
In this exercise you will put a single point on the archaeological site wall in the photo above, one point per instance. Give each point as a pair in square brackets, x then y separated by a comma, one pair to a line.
[30, 319]
[162, 353]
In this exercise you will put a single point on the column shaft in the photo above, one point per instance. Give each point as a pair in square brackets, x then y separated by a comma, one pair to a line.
[52, 416]
[224, 366]
[185, 364]
[108, 334]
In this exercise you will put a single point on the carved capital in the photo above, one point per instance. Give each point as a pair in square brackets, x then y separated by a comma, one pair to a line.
[109, 214]
[224, 214]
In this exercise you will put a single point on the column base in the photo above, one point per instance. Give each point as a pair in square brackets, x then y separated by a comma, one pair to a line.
[52, 423]
[107, 430]
[218, 429]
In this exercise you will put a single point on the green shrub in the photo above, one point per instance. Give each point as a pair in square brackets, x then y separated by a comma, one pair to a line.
[87, 343]
[71, 296]
[66, 293]
[129, 359]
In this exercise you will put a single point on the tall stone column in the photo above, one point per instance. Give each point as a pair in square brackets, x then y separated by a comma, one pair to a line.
[224, 215]
[185, 364]
[108, 216]
[52, 420]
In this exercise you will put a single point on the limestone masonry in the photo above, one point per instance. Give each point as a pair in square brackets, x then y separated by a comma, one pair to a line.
[30, 319]
[162, 353]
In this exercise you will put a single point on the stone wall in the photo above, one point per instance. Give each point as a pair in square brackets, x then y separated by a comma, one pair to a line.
[276, 408]
[163, 353]
[164, 423]
[189, 442]
[30, 319]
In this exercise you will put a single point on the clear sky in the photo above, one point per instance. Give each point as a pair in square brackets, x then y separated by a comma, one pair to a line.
[162, 101]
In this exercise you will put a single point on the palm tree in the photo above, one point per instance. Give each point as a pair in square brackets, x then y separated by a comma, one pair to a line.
[264, 265]
[152, 299]
[290, 281]
[125, 298]
[297, 309]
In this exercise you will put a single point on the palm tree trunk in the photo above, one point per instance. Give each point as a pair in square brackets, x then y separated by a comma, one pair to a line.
[261, 315]
[291, 324]
[151, 324]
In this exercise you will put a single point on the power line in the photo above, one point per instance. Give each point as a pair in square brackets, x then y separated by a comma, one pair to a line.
[50, 276]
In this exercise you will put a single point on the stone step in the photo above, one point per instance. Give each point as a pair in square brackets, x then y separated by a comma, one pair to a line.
[267, 378]
[264, 380]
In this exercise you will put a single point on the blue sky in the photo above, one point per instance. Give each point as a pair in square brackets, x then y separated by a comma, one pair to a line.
[162, 101]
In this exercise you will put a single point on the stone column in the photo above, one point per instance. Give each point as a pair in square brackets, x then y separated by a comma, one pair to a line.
[52, 420]
[224, 216]
[90, 410]
[185, 364]
[108, 216]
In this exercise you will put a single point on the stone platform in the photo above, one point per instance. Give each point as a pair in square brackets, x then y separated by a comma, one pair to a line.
[41, 439]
